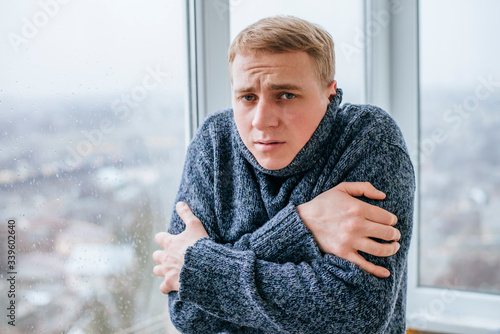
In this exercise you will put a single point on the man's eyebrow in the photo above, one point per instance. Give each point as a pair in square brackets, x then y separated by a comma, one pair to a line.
[273, 87]
[284, 87]
[244, 90]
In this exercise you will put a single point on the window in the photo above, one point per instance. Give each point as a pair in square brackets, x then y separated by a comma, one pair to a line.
[459, 156]
[93, 100]
[454, 278]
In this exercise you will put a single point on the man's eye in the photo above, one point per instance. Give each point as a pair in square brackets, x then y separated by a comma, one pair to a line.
[247, 98]
[287, 96]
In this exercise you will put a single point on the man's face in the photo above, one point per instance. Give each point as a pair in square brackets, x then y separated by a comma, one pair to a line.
[278, 103]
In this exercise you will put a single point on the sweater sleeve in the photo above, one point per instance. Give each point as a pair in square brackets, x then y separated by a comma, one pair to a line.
[323, 295]
[284, 238]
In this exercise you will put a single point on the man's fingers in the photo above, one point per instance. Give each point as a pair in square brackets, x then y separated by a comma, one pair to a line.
[379, 231]
[357, 189]
[165, 287]
[158, 256]
[159, 270]
[369, 267]
[371, 212]
[378, 249]
[171, 283]
[163, 239]
[379, 215]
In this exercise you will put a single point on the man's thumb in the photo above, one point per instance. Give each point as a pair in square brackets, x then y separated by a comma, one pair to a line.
[187, 216]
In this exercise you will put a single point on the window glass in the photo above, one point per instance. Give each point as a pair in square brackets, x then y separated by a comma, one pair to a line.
[459, 145]
[92, 107]
[342, 19]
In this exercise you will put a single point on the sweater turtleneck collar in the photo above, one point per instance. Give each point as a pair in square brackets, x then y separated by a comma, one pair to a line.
[307, 156]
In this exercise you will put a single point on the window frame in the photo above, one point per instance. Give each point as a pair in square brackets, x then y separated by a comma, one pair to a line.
[391, 82]
[430, 309]
[208, 42]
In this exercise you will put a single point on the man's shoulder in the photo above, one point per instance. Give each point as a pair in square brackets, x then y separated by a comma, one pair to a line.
[214, 135]
[365, 117]
[219, 119]
[369, 121]
[217, 124]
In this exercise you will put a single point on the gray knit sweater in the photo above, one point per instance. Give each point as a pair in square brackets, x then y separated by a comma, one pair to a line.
[260, 270]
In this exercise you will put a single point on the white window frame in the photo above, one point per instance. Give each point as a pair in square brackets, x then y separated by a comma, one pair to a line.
[392, 82]
[208, 42]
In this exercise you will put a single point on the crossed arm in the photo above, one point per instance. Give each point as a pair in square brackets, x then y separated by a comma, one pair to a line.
[341, 225]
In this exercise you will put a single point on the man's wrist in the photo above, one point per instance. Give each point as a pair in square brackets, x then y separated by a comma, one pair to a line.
[303, 211]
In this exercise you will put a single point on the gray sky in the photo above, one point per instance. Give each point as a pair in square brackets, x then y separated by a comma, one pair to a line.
[459, 42]
[88, 46]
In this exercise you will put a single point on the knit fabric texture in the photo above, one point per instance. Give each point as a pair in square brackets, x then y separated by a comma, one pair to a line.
[260, 270]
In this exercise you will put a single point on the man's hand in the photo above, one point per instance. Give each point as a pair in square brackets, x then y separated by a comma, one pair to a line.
[343, 225]
[171, 259]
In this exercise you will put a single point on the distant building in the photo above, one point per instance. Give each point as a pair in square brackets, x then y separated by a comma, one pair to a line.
[81, 232]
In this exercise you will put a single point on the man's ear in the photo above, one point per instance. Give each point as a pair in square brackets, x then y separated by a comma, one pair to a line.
[332, 90]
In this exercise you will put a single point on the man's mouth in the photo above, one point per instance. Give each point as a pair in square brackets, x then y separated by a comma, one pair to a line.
[268, 145]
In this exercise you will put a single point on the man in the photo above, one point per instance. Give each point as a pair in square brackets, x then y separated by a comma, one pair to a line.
[287, 205]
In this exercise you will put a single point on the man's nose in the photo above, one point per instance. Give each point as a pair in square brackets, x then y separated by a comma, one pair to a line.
[265, 115]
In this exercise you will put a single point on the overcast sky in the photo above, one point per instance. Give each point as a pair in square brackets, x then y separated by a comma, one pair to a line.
[89, 46]
[459, 41]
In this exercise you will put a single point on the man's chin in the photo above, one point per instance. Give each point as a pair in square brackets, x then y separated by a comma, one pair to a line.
[273, 163]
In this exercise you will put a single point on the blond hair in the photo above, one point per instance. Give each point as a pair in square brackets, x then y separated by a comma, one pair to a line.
[280, 34]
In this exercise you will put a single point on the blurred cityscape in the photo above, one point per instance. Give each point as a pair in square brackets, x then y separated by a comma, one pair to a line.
[88, 189]
[460, 190]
